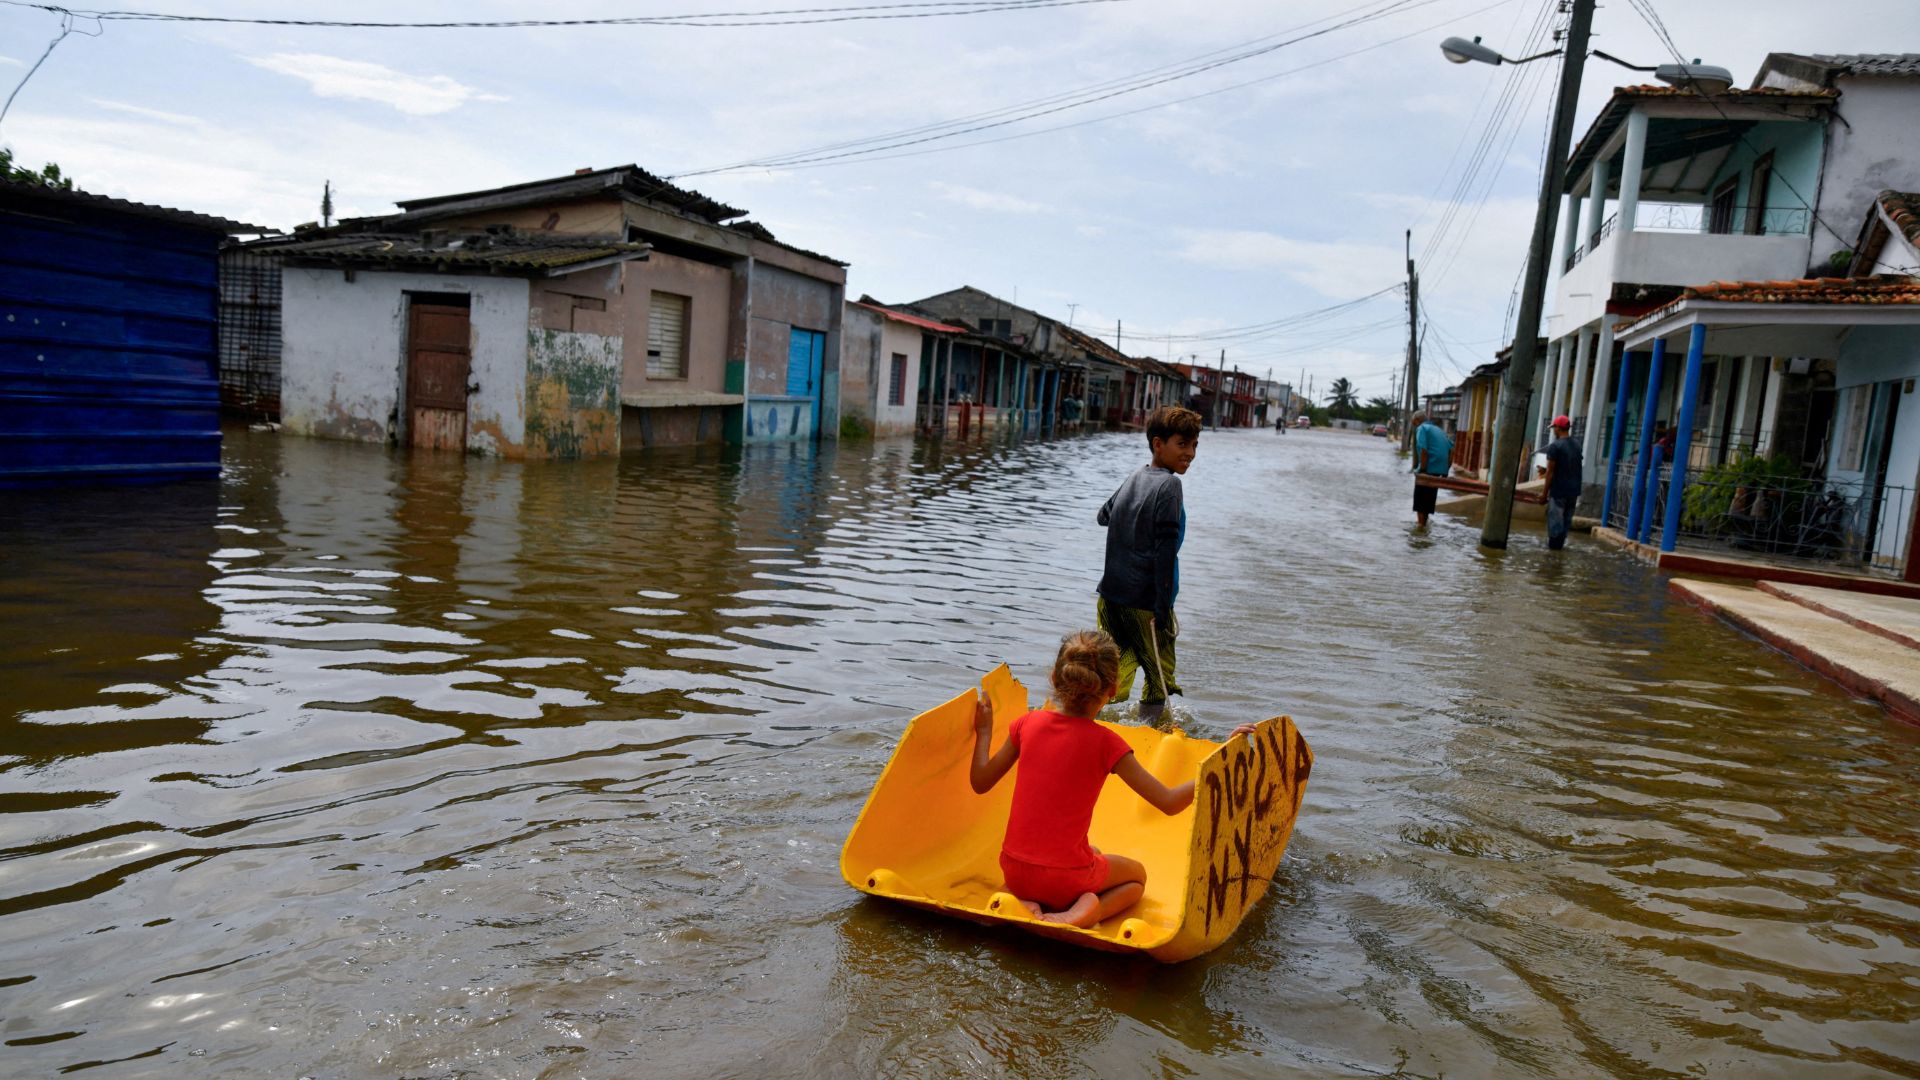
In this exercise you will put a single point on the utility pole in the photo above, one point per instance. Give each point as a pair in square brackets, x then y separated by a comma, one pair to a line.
[1219, 387]
[1410, 388]
[1509, 434]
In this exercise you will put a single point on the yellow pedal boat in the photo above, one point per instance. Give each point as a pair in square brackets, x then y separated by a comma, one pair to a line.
[924, 838]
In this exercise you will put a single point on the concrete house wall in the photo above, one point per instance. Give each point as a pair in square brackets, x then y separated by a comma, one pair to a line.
[574, 359]
[783, 301]
[1877, 148]
[343, 363]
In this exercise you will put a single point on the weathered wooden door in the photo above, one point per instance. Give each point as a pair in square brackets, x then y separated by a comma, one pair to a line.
[438, 350]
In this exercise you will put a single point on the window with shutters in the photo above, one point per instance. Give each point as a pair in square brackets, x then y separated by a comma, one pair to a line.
[897, 381]
[667, 336]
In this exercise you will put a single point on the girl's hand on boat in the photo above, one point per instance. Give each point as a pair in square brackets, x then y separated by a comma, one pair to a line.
[1243, 729]
[982, 715]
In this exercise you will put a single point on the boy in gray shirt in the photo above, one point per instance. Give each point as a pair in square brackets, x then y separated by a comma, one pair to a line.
[1146, 519]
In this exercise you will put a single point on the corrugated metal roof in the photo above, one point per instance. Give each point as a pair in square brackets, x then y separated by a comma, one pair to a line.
[487, 253]
[18, 192]
[1871, 63]
[629, 179]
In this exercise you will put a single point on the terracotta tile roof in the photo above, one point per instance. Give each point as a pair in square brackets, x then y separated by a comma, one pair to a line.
[1876, 290]
[910, 319]
[1654, 90]
[1903, 209]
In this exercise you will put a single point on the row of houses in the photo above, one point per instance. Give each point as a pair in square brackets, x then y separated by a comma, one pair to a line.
[1744, 270]
[576, 316]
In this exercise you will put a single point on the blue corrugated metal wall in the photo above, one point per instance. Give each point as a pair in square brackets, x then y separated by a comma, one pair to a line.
[107, 347]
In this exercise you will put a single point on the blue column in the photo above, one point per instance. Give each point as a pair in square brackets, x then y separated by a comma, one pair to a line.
[1619, 437]
[1683, 435]
[1637, 508]
[1649, 486]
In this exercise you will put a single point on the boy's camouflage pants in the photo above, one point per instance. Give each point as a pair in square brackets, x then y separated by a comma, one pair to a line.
[1141, 643]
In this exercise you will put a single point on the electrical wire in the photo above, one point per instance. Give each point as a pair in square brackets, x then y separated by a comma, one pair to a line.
[66, 27]
[773, 17]
[1028, 134]
[1645, 9]
[1062, 102]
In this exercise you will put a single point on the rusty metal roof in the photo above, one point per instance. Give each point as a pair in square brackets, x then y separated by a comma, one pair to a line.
[15, 193]
[510, 253]
[630, 180]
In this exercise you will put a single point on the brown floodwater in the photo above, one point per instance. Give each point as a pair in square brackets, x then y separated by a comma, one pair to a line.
[361, 764]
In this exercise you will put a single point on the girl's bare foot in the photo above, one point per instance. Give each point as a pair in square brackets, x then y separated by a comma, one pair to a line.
[1033, 909]
[1081, 914]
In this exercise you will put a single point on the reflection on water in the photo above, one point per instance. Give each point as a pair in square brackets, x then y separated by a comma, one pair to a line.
[368, 764]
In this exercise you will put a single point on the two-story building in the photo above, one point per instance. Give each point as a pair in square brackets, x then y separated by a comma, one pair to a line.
[1721, 231]
[655, 315]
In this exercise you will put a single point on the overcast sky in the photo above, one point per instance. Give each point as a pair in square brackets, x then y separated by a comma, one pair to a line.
[1246, 205]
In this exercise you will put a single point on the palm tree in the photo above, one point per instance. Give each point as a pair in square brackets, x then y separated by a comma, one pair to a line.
[1342, 399]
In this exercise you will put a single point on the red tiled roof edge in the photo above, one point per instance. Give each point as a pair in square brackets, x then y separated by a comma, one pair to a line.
[1881, 290]
[1903, 209]
[915, 320]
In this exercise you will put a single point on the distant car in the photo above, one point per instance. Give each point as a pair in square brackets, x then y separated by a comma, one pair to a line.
[1380, 430]
[1302, 421]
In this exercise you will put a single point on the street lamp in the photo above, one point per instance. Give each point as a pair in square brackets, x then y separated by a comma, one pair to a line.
[1706, 78]
[1511, 429]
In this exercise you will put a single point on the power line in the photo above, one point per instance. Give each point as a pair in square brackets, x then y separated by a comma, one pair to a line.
[772, 17]
[1255, 329]
[1062, 103]
[1645, 9]
[879, 156]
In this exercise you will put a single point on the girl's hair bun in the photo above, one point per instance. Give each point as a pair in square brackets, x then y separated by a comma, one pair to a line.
[1085, 670]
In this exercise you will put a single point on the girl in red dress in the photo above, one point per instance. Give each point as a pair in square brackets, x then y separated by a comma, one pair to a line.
[1065, 758]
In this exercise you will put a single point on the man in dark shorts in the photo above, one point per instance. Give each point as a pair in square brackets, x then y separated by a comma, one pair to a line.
[1563, 475]
[1432, 455]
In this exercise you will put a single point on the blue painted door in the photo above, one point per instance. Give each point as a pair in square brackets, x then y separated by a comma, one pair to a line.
[806, 362]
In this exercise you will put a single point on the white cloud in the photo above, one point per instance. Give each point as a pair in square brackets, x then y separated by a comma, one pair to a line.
[160, 115]
[980, 199]
[1091, 232]
[12, 61]
[361, 80]
[1340, 270]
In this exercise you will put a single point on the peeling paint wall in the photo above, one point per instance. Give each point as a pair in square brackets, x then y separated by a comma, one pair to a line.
[586, 217]
[778, 419]
[573, 394]
[343, 358]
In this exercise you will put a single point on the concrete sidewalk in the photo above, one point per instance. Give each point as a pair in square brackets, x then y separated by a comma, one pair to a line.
[1868, 644]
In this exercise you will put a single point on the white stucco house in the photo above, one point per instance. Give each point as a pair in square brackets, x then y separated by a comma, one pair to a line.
[489, 342]
[883, 352]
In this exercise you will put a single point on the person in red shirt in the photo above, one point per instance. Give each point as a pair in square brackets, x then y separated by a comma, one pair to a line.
[1067, 756]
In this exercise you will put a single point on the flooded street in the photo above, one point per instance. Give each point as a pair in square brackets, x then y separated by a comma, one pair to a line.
[361, 764]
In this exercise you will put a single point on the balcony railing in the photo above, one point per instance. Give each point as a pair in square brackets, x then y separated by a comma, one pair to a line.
[1723, 219]
[1605, 230]
[1843, 522]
